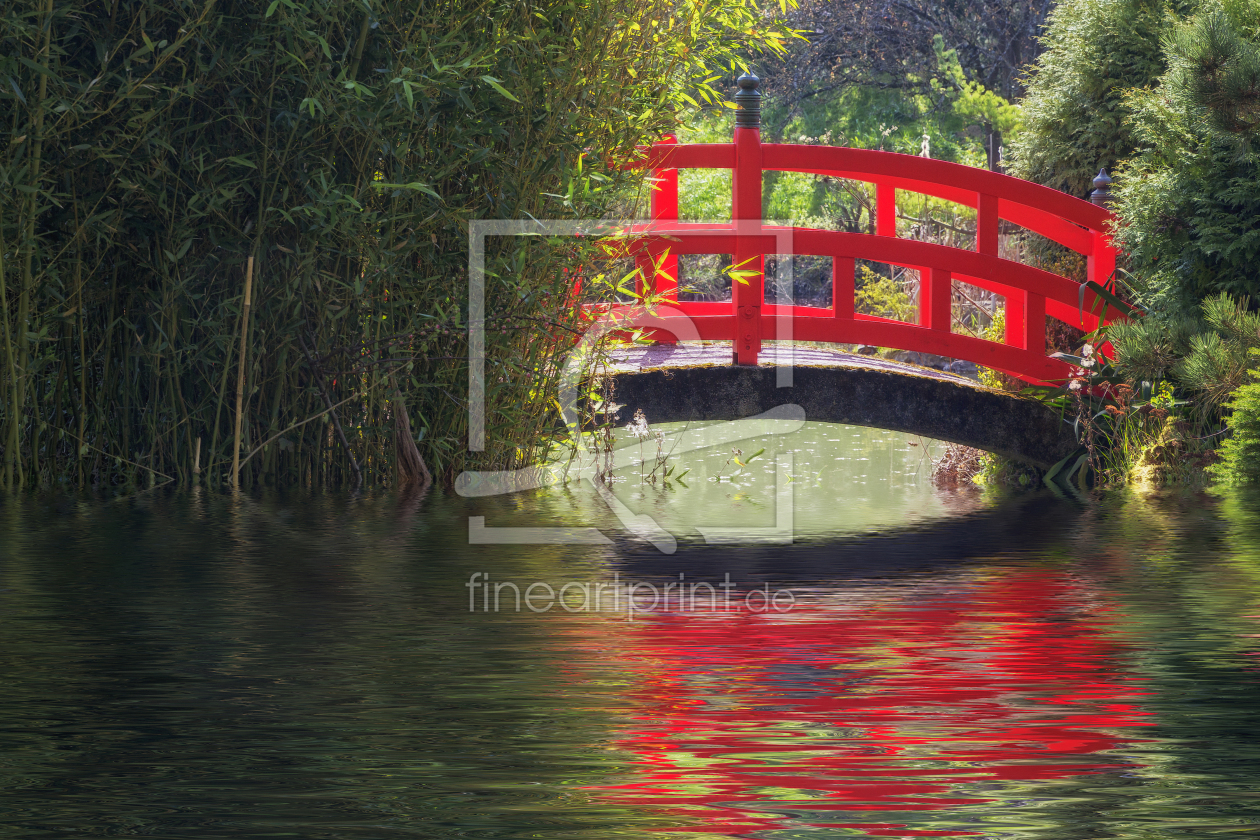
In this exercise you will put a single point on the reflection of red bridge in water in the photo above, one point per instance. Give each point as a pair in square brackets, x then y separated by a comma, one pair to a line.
[892, 714]
[1031, 294]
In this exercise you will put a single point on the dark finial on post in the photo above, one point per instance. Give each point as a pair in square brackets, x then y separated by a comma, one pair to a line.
[748, 100]
[1102, 189]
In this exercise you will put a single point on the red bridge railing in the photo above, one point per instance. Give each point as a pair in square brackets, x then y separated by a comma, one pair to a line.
[747, 320]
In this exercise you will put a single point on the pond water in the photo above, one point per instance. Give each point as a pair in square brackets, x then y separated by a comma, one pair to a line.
[916, 663]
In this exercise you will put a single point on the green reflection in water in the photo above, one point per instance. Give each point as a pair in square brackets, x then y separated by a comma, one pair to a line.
[837, 479]
[287, 667]
[193, 666]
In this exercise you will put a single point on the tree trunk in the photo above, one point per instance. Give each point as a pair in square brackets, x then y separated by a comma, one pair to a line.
[411, 467]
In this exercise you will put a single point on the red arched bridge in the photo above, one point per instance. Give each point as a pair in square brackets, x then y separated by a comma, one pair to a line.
[747, 320]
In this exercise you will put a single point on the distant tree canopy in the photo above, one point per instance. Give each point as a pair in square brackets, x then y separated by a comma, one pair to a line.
[889, 43]
[930, 55]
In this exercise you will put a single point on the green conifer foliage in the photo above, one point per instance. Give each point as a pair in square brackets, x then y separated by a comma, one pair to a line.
[1189, 200]
[1240, 453]
[1208, 356]
[1075, 113]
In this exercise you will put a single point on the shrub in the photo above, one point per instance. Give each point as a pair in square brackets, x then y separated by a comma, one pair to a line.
[1240, 453]
[1189, 201]
[1208, 355]
[1075, 110]
[883, 296]
[156, 146]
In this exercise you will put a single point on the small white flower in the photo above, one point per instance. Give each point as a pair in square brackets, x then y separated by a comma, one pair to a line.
[1089, 363]
[1087, 350]
[639, 426]
[1074, 385]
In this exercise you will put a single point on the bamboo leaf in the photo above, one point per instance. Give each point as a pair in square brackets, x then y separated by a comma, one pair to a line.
[414, 186]
[38, 68]
[494, 83]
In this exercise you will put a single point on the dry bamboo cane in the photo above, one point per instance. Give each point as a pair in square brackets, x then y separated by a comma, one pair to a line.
[240, 377]
[11, 428]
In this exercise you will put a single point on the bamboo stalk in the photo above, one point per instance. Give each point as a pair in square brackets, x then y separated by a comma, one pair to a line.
[332, 414]
[299, 424]
[28, 283]
[240, 377]
[11, 430]
[81, 412]
[220, 398]
[154, 346]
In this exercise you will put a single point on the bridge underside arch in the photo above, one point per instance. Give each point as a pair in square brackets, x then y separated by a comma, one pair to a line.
[882, 395]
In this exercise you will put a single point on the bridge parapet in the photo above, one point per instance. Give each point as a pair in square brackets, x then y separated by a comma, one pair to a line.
[747, 320]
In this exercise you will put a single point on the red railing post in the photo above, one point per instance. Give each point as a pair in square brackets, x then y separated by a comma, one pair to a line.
[885, 210]
[747, 289]
[665, 209]
[842, 274]
[1015, 333]
[936, 299]
[1024, 326]
[1035, 322]
[1100, 265]
[987, 224]
[1026, 320]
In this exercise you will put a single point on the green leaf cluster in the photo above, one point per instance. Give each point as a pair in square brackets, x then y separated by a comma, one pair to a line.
[1166, 95]
[941, 112]
[964, 102]
[883, 297]
[943, 105]
[1218, 358]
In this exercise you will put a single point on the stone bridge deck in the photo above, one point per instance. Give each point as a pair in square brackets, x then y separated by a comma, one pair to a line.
[691, 382]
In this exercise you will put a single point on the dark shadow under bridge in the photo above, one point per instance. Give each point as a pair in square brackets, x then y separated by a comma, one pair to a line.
[676, 383]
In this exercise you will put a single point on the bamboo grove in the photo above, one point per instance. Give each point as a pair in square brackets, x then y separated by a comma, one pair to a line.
[158, 151]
